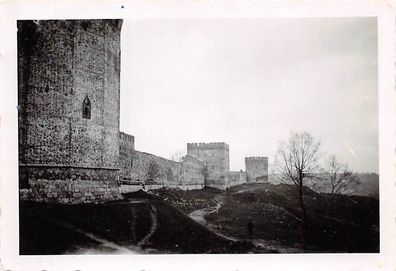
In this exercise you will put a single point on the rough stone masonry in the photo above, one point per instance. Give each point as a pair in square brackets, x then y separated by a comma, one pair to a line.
[69, 109]
[70, 147]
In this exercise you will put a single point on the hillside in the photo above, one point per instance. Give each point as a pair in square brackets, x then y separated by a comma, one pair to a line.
[158, 222]
[351, 224]
[139, 224]
[369, 185]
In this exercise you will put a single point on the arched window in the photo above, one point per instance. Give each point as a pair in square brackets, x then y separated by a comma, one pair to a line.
[86, 108]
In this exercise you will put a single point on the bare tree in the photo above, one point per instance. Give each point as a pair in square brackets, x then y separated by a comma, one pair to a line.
[297, 162]
[340, 180]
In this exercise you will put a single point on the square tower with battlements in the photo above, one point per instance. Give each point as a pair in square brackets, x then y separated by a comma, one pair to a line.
[216, 159]
[256, 169]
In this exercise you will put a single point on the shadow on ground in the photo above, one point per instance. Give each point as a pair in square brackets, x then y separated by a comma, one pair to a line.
[140, 223]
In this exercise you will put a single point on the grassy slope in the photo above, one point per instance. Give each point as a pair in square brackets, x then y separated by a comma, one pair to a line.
[350, 225]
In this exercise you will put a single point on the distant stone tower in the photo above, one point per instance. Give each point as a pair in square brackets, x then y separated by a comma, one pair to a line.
[69, 108]
[256, 169]
[216, 159]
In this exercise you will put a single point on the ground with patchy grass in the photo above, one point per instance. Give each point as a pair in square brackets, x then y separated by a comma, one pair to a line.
[349, 224]
[188, 200]
[159, 222]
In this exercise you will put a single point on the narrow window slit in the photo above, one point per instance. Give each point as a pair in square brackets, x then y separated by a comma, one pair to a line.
[86, 108]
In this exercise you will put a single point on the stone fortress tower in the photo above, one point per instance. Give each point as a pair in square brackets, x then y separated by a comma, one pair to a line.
[71, 149]
[216, 159]
[256, 169]
[69, 108]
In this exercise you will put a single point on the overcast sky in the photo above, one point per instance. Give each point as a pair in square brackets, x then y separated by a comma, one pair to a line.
[249, 83]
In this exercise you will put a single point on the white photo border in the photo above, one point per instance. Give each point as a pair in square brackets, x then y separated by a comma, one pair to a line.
[11, 11]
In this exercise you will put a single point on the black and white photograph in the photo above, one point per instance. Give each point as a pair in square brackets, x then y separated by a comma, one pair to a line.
[198, 136]
[273, 124]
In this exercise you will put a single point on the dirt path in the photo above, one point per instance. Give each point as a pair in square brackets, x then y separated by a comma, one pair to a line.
[154, 225]
[199, 216]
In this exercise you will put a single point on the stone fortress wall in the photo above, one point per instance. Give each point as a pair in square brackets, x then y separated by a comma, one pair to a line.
[236, 178]
[206, 164]
[216, 159]
[126, 149]
[256, 169]
[149, 171]
[68, 96]
[71, 149]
